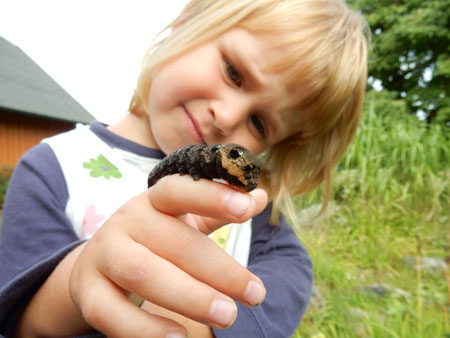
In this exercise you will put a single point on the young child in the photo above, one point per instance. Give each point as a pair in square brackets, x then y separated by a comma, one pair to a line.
[284, 78]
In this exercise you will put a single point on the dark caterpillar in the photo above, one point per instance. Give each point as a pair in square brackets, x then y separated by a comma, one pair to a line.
[231, 162]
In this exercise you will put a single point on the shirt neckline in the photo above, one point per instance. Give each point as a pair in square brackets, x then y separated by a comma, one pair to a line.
[116, 141]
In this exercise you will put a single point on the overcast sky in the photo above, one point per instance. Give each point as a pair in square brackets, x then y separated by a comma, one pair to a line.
[92, 48]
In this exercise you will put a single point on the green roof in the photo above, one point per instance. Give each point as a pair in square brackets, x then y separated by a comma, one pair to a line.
[27, 88]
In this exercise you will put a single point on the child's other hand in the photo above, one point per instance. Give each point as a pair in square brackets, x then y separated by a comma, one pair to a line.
[147, 248]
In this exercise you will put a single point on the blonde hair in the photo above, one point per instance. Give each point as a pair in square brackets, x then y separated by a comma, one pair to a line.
[324, 47]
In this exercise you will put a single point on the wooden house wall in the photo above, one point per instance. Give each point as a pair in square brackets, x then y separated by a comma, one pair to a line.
[19, 132]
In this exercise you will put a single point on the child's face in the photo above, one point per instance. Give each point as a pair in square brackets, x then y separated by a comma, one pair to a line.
[221, 93]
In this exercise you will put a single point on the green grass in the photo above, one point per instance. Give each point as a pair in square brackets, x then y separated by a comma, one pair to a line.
[390, 200]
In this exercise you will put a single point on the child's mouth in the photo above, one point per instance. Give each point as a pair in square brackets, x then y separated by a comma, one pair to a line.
[193, 128]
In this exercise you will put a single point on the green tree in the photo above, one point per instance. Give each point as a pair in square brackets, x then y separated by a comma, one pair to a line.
[411, 53]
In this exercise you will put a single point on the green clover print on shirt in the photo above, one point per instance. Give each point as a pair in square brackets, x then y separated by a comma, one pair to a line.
[102, 167]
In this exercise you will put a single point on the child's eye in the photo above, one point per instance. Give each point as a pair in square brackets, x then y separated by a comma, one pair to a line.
[259, 126]
[233, 74]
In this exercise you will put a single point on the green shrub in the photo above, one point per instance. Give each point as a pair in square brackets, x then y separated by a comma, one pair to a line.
[5, 174]
[391, 196]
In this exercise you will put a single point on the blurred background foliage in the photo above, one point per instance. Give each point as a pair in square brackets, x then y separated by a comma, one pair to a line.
[410, 57]
[390, 208]
[5, 174]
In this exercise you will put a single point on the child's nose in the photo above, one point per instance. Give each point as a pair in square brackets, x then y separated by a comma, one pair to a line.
[228, 116]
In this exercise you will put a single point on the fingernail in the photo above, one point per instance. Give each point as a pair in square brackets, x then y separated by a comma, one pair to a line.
[254, 293]
[237, 203]
[177, 335]
[222, 313]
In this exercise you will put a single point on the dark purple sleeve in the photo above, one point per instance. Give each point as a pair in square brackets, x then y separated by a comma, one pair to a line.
[35, 232]
[285, 267]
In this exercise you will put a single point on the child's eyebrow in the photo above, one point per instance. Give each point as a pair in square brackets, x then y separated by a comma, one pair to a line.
[256, 78]
[244, 65]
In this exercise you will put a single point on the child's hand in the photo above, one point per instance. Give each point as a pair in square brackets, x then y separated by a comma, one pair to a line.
[147, 248]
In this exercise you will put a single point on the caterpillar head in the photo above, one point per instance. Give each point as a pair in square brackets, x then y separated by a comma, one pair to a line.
[241, 166]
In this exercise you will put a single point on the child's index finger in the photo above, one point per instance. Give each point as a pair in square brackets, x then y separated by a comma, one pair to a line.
[178, 195]
[208, 225]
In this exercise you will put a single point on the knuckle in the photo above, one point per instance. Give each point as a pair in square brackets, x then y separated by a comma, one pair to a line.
[148, 330]
[127, 271]
[135, 274]
[138, 273]
[164, 187]
[92, 314]
[165, 183]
